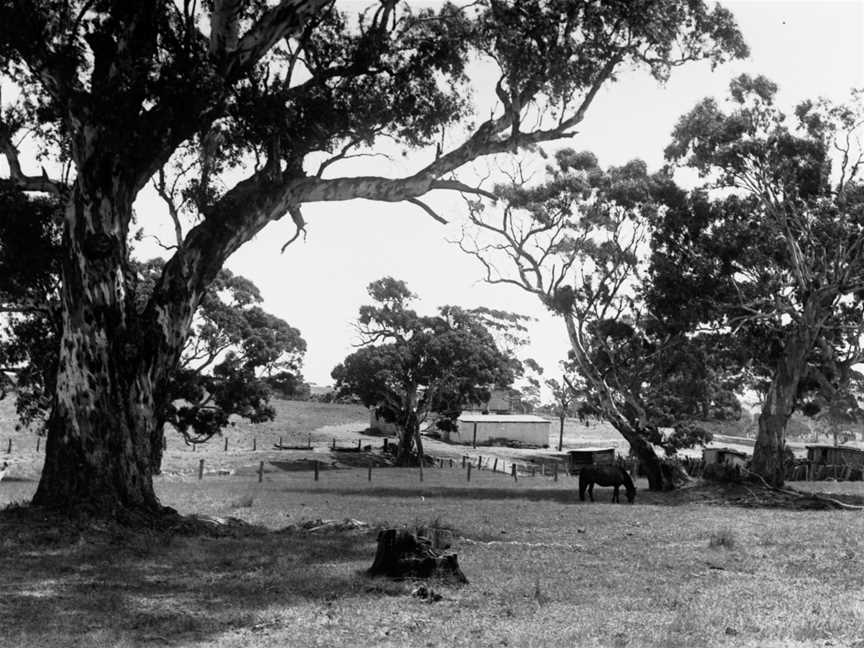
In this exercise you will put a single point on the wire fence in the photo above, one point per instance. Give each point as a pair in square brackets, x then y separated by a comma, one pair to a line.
[552, 466]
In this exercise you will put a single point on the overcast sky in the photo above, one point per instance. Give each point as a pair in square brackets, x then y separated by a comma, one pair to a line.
[810, 48]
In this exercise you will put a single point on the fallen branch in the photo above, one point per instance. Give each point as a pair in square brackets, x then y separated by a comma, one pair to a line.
[800, 495]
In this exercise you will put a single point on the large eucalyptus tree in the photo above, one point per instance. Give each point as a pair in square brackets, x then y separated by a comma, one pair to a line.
[275, 93]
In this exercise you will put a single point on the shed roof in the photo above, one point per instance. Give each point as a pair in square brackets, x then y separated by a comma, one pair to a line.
[607, 449]
[820, 446]
[502, 418]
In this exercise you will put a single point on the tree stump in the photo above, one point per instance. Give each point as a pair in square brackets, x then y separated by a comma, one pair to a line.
[401, 554]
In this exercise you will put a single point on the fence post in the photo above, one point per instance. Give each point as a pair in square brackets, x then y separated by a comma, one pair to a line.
[254, 444]
[334, 443]
[469, 472]
[479, 463]
[451, 462]
[309, 440]
[474, 442]
[495, 465]
[555, 471]
[513, 472]
[260, 472]
[421, 468]
[226, 445]
[280, 443]
[315, 468]
[38, 442]
[9, 447]
[533, 470]
[463, 461]
[358, 443]
[370, 470]
[200, 468]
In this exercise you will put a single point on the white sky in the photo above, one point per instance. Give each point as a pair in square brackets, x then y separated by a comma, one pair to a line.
[810, 48]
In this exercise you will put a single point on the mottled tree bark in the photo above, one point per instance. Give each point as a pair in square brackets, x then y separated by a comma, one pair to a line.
[98, 450]
[650, 463]
[770, 446]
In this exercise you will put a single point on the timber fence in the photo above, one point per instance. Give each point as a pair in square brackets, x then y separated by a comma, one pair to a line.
[551, 467]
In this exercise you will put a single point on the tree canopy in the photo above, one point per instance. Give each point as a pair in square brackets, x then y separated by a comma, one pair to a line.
[579, 241]
[240, 112]
[770, 251]
[410, 366]
[234, 349]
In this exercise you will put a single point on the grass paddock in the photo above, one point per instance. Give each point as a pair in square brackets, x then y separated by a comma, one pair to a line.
[544, 569]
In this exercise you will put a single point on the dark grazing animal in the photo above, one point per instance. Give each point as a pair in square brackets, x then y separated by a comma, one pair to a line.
[605, 475]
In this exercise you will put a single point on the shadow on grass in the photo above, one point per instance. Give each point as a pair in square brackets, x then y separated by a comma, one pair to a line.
[471, 493]
[705, 493]
[69, 585]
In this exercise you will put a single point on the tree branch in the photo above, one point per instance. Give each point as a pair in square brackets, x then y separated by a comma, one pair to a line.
[286, 19]
[427, 209]
[18, 178]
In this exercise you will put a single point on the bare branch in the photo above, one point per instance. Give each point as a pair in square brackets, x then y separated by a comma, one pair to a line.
[426, 208]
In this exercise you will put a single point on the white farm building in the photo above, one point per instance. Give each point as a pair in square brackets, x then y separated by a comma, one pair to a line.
[491, 429]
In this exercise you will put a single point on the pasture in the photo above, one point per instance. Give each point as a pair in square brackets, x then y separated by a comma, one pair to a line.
[689, 569]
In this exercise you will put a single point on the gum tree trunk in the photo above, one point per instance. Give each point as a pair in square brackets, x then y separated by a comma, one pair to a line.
[410, 432]
[100, 431]
[649, 462]
[629, 421]
[770, 446]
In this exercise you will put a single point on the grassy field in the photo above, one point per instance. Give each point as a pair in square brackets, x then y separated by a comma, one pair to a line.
[687, 569]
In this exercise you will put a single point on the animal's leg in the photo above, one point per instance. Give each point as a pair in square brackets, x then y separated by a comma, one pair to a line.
[581, 491]
[615, 495]
[591, 491]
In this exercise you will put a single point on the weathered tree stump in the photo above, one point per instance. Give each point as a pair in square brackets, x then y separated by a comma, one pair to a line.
[401, 554]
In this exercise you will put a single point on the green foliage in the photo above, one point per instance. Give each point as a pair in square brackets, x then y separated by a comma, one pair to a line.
[579, 242]
[195, 95]
[29, 265]
[775, 258]
[411, 365]
[235, 349]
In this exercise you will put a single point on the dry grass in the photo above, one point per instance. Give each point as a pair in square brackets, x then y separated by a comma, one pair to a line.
[673, 570]
[544, 569]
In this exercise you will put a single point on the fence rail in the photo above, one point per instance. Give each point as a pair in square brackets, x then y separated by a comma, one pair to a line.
[799, 470]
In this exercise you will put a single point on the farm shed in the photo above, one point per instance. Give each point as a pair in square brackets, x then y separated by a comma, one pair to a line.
[830, 455]
[492, 429]
[577, 459]
[726, 456]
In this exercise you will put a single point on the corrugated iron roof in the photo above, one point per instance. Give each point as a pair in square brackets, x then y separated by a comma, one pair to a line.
[502, 418]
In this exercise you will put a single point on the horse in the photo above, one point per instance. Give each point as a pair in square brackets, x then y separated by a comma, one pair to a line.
[605, 475]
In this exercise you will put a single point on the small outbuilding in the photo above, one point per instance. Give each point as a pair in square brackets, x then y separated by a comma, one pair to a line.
[502, 429]
[725, 456]
[831, 455]
[578, 459]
